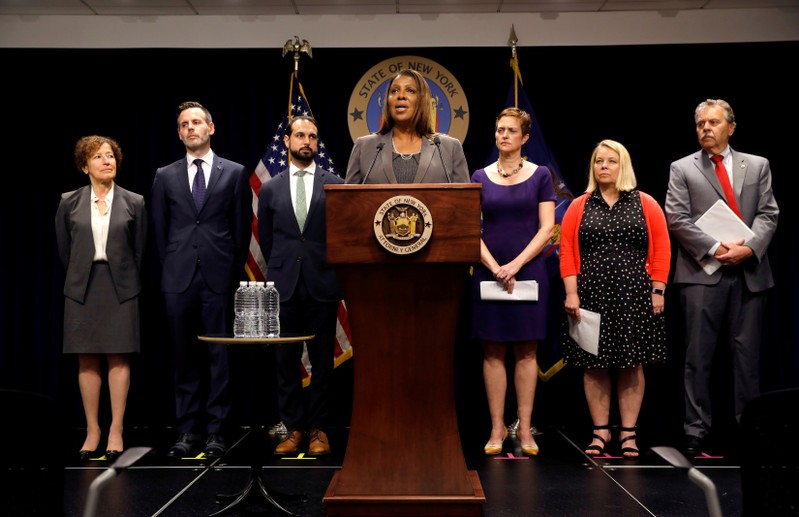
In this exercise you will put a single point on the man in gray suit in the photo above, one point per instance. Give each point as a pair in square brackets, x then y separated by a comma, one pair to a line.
[292, 237]
[202, 217]
[730, 301]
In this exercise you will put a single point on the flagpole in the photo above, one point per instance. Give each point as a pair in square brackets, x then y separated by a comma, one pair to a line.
[514, 64]
[297, 48]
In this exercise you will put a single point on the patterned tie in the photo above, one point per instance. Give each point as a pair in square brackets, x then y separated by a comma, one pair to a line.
[724, 179]
[300, 207]
[198, 189]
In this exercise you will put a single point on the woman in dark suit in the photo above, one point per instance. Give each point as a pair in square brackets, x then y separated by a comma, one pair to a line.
[101, 230]
[406, 148]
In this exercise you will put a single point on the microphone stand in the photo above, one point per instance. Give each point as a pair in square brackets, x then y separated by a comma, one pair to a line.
[437, 141]
[374, 160]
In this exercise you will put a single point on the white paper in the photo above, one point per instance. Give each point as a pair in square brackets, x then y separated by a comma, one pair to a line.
[523, 291]
[586, 333]
[721, 223]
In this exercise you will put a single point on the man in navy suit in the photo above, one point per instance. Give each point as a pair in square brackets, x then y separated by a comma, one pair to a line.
[291, 234]
[731, 301]
[202, 217]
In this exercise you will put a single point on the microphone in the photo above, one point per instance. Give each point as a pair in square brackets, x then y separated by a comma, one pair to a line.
[379, 148]
[437, 141]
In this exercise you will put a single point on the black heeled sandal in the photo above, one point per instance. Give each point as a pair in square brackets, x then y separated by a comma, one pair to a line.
[600, 449]
[634, 452]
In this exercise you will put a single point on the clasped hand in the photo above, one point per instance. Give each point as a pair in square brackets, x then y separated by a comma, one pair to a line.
[733, 253]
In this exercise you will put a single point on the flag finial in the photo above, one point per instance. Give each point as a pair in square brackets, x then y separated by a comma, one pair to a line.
[513, 40]
[297, 47]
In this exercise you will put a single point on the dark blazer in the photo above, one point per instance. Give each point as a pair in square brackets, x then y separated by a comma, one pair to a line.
[287, 249]
[216, 237]
[694, 188]
[431, 169]
[127, 236]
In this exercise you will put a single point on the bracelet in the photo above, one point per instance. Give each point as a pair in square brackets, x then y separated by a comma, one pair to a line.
[657, 290]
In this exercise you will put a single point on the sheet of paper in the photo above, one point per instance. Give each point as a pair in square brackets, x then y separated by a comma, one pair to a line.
[586, 333]
[523, 291]
[721, 223]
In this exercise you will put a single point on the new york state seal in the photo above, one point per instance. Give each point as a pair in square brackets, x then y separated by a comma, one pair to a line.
[403, 225]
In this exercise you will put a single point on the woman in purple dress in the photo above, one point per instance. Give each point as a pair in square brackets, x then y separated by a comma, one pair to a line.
[518, 210]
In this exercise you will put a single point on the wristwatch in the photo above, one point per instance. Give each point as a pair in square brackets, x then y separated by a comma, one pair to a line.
[657, 290]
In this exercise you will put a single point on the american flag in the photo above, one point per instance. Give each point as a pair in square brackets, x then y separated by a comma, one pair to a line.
[274, 160]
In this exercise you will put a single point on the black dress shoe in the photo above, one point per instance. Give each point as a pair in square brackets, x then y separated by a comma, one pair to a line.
[692, 445]
[85, 455]
[215, 446]
[187, 445]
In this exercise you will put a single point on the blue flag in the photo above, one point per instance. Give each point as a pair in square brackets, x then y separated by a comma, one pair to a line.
[550, 356]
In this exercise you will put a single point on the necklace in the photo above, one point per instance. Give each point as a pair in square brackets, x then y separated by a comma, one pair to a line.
[511, 173]
[403, 156]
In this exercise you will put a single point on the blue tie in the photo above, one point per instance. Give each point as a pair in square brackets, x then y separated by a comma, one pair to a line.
[198, 189]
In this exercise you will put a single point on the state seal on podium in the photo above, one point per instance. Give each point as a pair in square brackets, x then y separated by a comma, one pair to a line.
[403, 225]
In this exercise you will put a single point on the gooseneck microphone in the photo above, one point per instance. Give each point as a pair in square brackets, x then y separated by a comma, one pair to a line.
[437, 141]
[379, 148]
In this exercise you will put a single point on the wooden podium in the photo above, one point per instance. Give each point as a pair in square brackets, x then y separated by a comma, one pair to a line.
[404, 454]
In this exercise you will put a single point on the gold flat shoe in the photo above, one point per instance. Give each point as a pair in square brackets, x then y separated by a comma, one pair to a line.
[492, 449]
[530, 449]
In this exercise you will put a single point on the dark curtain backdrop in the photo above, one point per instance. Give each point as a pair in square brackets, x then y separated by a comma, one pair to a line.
[642, 96]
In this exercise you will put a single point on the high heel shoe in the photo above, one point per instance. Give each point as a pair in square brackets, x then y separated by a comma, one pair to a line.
[599, 449]
[629, 452]
[530, 449]
[112, 455]
[85, 454]
[492, 449]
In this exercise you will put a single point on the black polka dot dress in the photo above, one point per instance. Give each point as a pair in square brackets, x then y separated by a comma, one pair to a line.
[613, 282]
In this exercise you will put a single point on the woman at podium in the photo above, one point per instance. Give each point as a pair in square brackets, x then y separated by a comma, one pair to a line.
[406, 149]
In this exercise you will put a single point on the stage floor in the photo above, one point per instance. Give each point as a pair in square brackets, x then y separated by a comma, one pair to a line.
[560, 481]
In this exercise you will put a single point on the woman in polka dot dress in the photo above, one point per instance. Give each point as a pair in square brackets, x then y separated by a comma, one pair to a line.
[614, 260]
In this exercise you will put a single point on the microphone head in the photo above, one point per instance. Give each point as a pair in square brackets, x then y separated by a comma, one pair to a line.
[380, 146]
[437, 140]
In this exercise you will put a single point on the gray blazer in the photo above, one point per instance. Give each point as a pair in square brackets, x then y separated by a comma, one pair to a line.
[694, 188]
[431, 169]
[127, 235]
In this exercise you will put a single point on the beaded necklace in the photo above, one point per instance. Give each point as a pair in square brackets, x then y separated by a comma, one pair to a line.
[511, 173]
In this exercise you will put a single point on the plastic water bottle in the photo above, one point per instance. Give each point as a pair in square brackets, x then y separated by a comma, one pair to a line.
[260, 293]
[272, 306]
[239, 308]
[251, 310]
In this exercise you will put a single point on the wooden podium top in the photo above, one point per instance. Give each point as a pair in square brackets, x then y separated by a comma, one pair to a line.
[230, 340]
[450, 212]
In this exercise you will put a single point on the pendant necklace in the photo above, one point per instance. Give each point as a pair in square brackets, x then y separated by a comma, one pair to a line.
[511, 173]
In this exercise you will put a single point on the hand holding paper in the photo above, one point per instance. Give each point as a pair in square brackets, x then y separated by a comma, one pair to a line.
[586, 332]
[721, 223]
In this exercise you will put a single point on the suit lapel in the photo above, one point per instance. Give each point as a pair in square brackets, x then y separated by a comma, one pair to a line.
[387, 160]
[739, 168]
[425, 160]
[318, 188]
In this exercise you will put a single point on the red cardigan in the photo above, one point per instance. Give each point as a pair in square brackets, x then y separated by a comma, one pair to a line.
[658, 259]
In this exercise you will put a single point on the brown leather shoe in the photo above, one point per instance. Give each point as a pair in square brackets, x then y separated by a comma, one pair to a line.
[290, 444]
[319, 445]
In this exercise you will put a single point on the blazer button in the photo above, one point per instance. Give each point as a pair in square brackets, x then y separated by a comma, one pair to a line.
[299, 259]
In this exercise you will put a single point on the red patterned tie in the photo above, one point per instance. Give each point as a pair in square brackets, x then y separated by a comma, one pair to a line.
[724, 179]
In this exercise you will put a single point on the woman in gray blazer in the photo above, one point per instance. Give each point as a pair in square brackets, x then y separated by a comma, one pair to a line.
[406, 149]
[101, 230]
